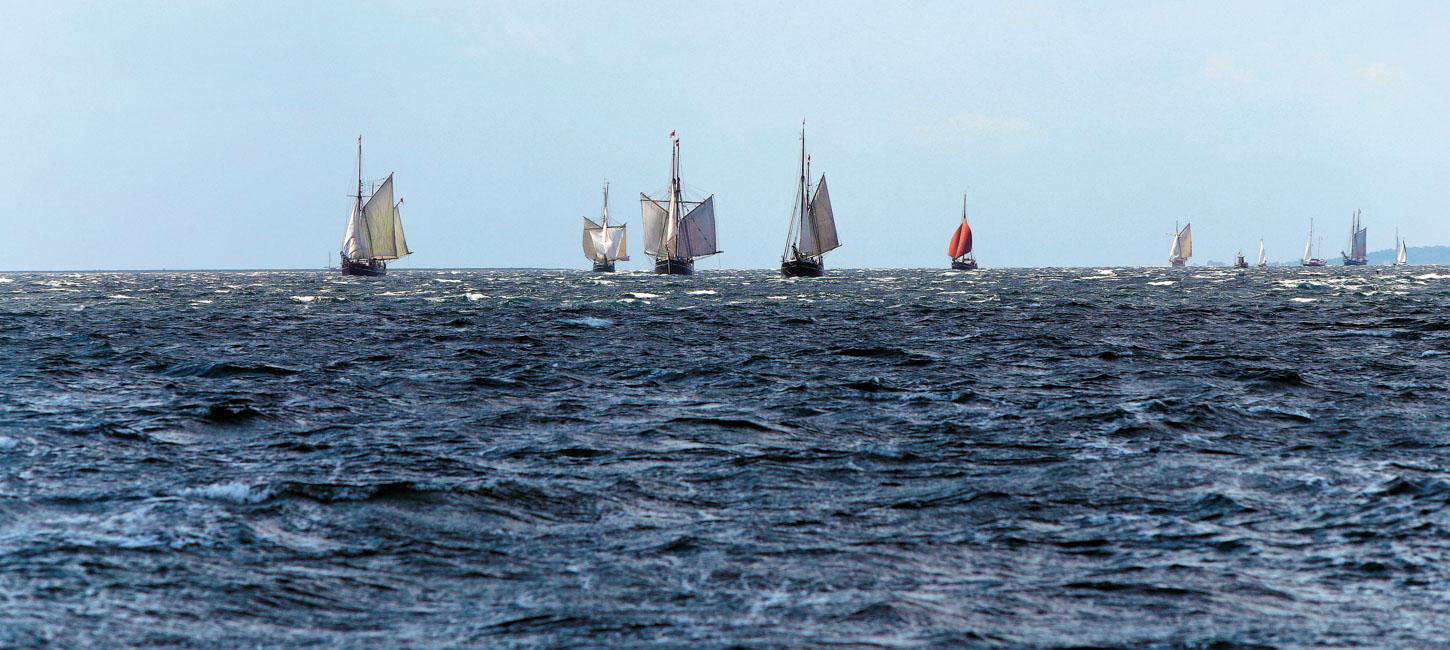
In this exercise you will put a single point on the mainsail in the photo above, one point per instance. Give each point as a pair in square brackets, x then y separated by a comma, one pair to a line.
[961, 244]
[1263, 261]
[818, 229]
[1399, 250]
[1309, 243]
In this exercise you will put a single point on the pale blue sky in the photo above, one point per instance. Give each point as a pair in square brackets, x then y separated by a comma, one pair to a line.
[221, 135]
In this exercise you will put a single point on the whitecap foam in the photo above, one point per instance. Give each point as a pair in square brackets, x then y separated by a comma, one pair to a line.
[590, 321]
[702, 292]
[234, 492]
[7, 443]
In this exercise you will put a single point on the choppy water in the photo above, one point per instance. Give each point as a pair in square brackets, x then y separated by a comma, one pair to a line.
[878, 458]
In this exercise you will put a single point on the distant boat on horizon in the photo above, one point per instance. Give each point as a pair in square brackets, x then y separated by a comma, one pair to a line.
[605, 244]
[960, 248]
[1357, 240]
[1182, 247]
[1399, 249]
[375, 230]
[1239, 261]
[1309, 259]
[1263, 261]
[676, 231]
[812, 231]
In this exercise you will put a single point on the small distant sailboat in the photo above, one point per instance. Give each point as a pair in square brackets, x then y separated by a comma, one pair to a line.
[812, 231]
[1399, 249]
[1357, 244]
[1263, 261]
[960, 248]
[676, 231]
[1182, 248]
[605, 244]
[375, 230]
[1309, 259]
[1239, 261]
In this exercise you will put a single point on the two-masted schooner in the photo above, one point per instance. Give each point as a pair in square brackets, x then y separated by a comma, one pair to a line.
[812, 231]
[960, 247]
[1358, 234]
[676, 231]
[1309, 258]
[1399, 249]
[1182, 247]
[605, 244]
[375, 229]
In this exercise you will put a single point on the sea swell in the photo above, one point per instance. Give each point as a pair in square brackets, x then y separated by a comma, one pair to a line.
[1041, 458]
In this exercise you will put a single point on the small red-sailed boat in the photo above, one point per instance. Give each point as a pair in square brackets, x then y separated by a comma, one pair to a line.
[960, 249]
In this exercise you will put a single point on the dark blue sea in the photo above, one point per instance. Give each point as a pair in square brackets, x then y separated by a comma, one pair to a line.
[1136, 458]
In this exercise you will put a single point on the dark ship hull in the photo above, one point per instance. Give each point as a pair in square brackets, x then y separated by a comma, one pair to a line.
[964, 265]
[1177, 262]
[802, 268]
[1312, 263]
[371, 268]
[675, 266]
[604, 267]
[1354, 262]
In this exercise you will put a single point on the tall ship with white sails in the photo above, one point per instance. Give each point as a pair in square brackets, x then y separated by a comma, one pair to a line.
[812, 231]
[605, 244]
[1310, 259]
[676, 231]
[374, 233]
[1182, 247]
[960, 247]
[1358, 235]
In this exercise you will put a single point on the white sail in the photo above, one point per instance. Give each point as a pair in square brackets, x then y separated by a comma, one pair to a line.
[618, 247]
[1262, 260]
[355, 240]
[696, 234]
[398, 239]
[591, 250]
[1309, 243]
[1400, 252]
[381, 223]
[376, 233]
[818, 232]
[655, 218]
[1175, 249]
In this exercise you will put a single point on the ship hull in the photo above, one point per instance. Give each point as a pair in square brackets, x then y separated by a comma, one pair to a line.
[675, 266]
[1177, 262]
[1312, 263]
[1350, 262]
[1241, 265]
[964, 265]
[802, 268]
[604, 267]
[370, 269]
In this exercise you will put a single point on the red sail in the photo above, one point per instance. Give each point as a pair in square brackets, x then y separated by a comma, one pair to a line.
[961, 241]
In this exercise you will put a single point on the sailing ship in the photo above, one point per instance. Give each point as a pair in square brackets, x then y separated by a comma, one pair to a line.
[812, 231]
[1399, 249]
[676, 231]
[1263, 261]
[1309, 259]
[1239, 261]
[604, 244]
[1182, 247]
[1357, 249]
[960, 248]
[375, 230]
